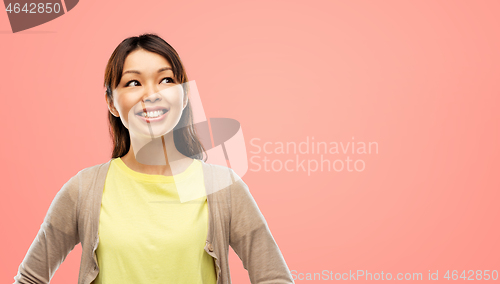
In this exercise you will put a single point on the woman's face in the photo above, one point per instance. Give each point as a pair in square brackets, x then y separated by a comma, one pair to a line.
[148, 99]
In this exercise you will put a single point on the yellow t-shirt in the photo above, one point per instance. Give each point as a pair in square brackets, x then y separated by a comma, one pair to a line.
[147, 235]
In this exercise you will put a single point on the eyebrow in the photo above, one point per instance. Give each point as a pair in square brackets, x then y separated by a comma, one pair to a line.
[137, 72]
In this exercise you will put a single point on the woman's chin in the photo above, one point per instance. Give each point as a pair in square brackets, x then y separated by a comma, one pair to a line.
[149, 130]
[149, 133]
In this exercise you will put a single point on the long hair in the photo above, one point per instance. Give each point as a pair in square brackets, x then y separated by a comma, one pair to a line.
[185, 138]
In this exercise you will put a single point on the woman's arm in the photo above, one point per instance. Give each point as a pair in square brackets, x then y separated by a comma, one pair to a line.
[57, 236]
[252, 241]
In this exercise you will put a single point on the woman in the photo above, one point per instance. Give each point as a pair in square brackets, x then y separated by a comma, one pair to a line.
[155, 212]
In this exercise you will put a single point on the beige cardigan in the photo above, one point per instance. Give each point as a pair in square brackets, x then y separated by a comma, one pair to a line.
[234, 219]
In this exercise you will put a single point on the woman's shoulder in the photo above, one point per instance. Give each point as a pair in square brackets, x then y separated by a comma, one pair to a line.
[217, 172]
[90, 170]
[223, 179]
[88, 175]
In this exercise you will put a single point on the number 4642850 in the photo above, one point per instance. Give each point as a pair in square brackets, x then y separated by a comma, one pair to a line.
[472, 275]
[33, 8]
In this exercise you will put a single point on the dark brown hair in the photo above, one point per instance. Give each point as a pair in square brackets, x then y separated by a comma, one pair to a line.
[185, 137]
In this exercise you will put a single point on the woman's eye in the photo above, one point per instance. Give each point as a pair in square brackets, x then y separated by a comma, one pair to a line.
[168, 78]
[126, 85]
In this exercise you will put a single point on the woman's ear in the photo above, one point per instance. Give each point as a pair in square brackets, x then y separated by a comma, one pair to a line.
[111, 107]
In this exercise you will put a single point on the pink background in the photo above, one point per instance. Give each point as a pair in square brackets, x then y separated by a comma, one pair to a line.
[421, 78]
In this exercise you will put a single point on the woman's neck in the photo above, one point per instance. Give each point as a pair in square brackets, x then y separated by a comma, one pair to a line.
[157, 156]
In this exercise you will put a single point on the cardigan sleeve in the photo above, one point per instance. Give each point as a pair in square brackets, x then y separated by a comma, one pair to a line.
[252, 240]
[57, 236]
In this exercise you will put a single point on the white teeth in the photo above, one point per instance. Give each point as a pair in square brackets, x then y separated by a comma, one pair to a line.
[152, 114]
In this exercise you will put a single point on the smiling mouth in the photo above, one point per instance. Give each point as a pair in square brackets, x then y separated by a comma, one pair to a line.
[152, 114]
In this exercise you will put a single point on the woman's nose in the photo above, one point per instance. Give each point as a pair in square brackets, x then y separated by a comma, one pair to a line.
[151, 93]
